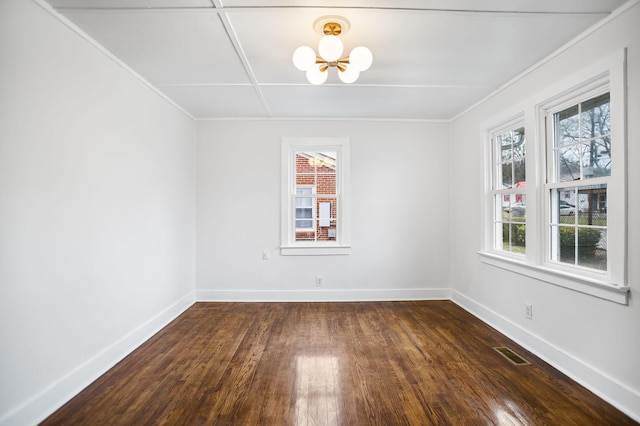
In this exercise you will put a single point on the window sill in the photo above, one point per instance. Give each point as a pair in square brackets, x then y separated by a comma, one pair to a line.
[604, 290]
[315, 250]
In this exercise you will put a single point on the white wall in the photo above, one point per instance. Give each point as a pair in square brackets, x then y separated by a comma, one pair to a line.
[595, 341]
[400, 217]
[97, 212]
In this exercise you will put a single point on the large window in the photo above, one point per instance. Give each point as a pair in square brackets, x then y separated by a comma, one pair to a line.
[315, 217]
[555, 206]
[579, 146]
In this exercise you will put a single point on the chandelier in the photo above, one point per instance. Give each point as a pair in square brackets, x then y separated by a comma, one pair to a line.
[330, 51]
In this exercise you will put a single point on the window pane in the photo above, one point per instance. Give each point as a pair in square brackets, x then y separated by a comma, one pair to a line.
[327, 219]
[596, 158]
[506, 151]
[518, 237]
[566, 206]
[592, 205]
[305, 179]
[567, 244]
[518, 143]
[326, 162]
[513, 237]
[310, 162]
[507, 175]
[567, 126]
[326, 184]
[596, 117]
[568, 163]
[592, 248]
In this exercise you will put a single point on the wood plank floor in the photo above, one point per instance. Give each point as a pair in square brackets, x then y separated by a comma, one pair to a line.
[378, 363]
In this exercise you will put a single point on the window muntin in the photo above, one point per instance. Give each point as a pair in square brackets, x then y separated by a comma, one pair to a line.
[580, 142]
[508, 189]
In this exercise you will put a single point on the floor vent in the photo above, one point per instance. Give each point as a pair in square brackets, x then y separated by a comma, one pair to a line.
[513, 357]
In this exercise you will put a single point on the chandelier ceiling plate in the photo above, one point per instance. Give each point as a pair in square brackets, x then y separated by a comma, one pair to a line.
[323, 24]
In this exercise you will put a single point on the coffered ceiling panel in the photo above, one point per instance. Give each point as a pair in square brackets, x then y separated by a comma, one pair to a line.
[167, 46]
[232, 58]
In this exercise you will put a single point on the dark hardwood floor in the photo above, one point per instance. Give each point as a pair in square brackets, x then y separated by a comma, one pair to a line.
[382, 363]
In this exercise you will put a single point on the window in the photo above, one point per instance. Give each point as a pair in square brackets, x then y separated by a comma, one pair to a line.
[557, 212]
[508, 189]
[315, 187]
[579, 146]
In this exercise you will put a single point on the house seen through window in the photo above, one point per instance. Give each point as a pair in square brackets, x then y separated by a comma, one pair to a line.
[316, 201]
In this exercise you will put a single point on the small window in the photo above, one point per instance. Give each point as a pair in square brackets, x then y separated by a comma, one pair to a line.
[315, 210]
[508, 189]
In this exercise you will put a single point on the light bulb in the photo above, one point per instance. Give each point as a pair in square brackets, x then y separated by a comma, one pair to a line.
[304, 57]
[349, 75]
[361, 58]
[330, 48]
[315, 76]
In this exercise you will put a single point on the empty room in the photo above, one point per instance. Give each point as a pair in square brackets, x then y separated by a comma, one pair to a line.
[242, 212]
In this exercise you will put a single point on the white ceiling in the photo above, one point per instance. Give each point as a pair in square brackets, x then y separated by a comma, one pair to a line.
[232, 58]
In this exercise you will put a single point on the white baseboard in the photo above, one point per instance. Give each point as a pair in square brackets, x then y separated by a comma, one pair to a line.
[620, 396]
[43, 404]
[322, 295]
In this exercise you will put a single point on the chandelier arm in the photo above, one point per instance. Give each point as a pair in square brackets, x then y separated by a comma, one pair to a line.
[341, 67]
[320, 60]
[343, 60]
[323, 67]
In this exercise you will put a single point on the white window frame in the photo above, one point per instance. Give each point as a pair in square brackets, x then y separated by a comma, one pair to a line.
[594, 88]
[609, 72]
[342, 244]
[495, 210]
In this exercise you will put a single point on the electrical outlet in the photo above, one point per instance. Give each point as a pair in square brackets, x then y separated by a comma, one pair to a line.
[528, 310]
[318, 281]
